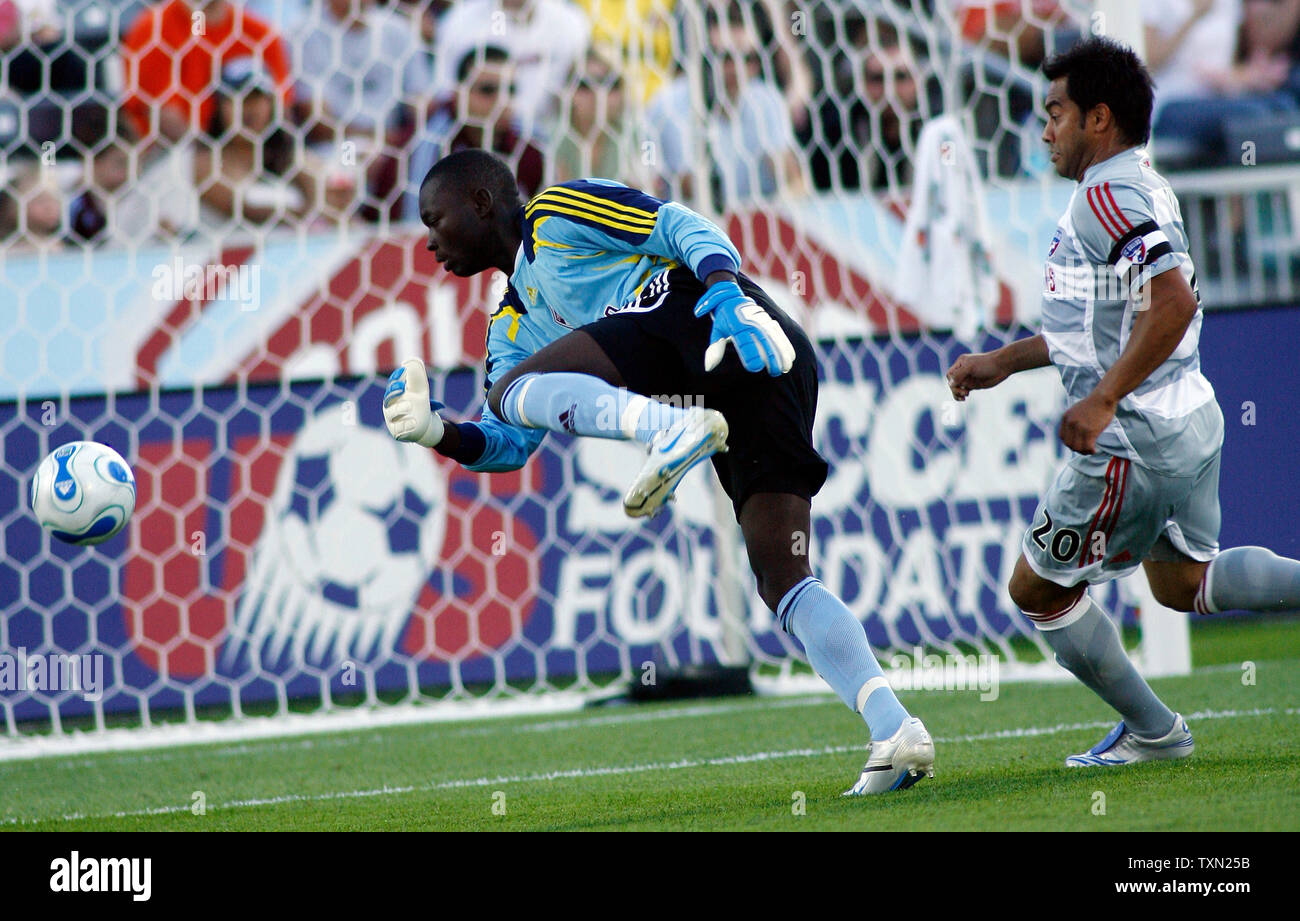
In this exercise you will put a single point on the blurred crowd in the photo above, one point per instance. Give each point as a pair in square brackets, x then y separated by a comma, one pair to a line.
[167, 120]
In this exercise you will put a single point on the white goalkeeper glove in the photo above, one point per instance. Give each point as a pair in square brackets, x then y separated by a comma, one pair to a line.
[408, 412]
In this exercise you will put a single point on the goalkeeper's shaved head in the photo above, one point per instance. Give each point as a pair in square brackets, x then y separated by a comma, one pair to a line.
[471, 169]
[470, 202]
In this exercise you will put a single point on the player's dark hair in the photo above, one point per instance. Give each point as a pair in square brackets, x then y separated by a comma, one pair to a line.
[1101, 69]
[475, 168]
[484, 54]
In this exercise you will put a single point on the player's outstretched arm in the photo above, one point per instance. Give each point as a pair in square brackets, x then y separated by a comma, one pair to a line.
[486, 446]
[982, 370]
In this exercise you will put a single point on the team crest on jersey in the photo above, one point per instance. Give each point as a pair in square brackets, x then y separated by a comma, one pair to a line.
[532, 293]
[1134, 250]
[1056, 241]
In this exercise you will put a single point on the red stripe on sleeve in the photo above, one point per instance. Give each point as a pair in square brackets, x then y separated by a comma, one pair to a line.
[1097, 210]
[1118, 213]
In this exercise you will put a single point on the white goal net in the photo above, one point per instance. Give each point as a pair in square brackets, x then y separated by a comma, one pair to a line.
[210, 264]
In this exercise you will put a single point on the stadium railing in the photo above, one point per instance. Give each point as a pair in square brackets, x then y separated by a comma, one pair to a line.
[1243, 226]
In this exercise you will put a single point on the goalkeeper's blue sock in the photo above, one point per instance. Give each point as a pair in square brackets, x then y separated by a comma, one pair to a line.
[838, 650]
[582, 404]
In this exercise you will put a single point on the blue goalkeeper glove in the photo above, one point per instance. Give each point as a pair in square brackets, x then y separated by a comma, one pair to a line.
[758, 339]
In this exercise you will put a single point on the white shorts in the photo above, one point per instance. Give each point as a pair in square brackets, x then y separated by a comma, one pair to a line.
[1097, 528]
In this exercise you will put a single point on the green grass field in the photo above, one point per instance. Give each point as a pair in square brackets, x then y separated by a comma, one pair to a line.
[731, 764]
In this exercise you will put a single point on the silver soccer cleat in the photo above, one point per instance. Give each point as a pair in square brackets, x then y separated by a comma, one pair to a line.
[1121, 746]
[898, 762]
[699, 434]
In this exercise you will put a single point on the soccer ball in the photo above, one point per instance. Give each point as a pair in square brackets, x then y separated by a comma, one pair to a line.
[83, 492]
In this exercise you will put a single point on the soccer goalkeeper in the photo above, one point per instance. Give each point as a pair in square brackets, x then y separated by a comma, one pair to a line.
[614, 294]
[1121, 323]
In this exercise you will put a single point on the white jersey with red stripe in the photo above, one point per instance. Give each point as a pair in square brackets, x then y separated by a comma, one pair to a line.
[1122, 228]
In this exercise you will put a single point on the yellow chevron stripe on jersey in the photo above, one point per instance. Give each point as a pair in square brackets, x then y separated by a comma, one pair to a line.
[601, 203]
[629, 222]
[537, 241]
[550, 208]
[559, 195]
[607, 195]
[584, 217]
[508, 312]
[613, 210]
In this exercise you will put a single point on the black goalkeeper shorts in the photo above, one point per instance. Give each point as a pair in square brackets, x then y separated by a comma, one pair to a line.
[657, 344]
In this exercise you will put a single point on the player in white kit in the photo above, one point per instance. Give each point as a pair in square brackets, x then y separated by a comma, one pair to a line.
[1121, 323]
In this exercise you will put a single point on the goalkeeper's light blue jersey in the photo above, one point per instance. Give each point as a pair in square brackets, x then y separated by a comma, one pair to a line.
[589, 247]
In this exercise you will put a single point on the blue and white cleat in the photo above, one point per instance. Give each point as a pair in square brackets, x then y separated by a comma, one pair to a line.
[1122, 746]
[898, 762]
[698, 435]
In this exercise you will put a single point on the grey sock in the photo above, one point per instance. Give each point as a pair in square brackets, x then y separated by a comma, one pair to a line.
[1090, 648]
[1250, 579]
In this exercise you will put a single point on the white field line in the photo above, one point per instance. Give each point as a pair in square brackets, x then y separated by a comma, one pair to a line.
[621, 770]
[322, 731]
[298, 729]
[207, 732]
[377, 736]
